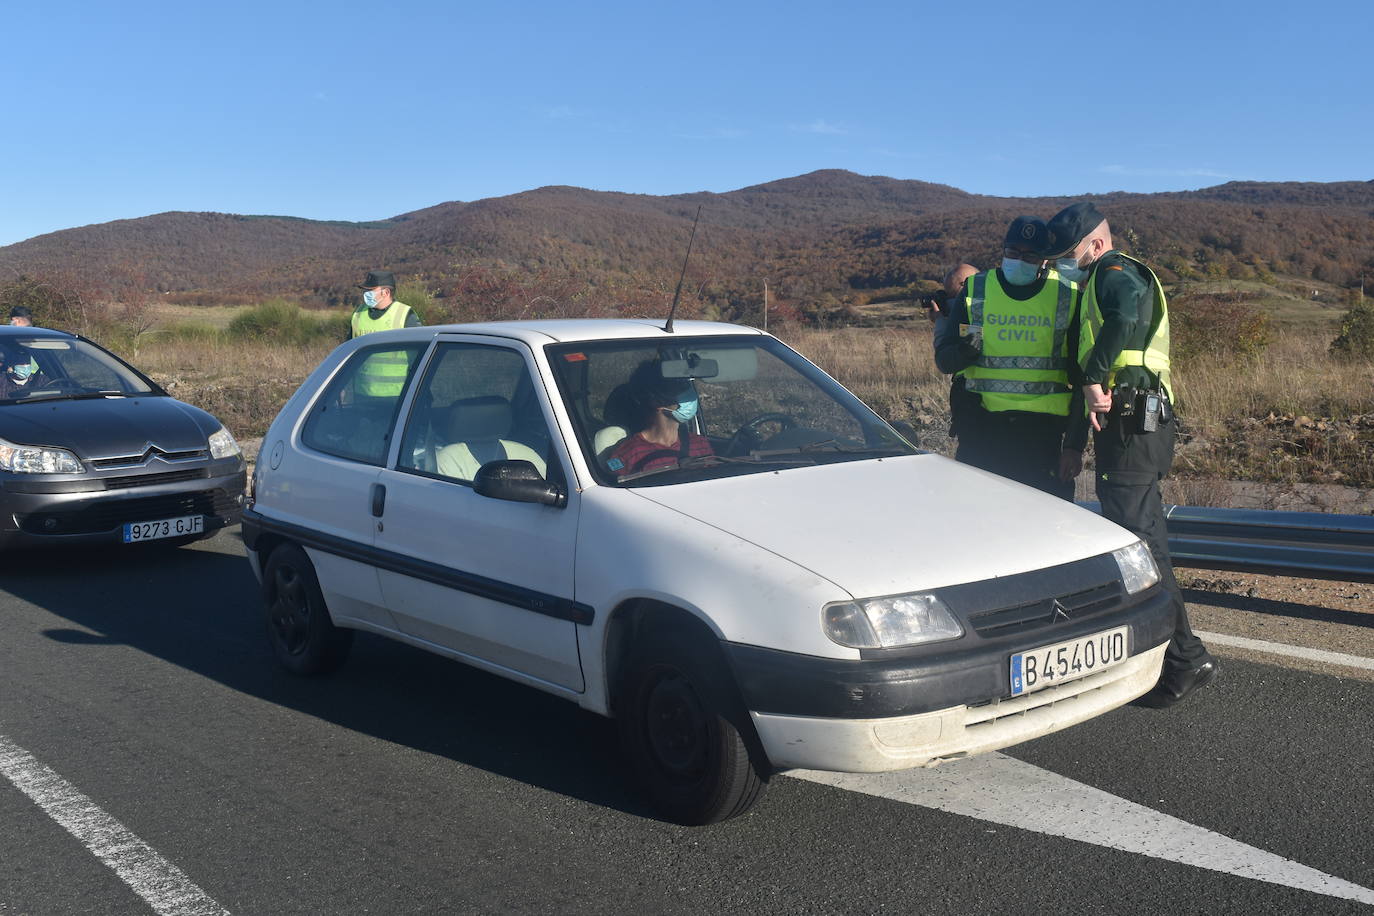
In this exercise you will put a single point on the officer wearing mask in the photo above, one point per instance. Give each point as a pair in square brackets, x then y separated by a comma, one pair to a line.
[1009, 338]
[1123, 368]
[379, 310]
[383, 375]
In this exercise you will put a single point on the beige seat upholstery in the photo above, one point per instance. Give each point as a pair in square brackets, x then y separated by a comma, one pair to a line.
[476, 429]
[607, 438]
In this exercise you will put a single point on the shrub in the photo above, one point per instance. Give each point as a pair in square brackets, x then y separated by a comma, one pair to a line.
[1356, 339]
[1216, 325]
[286, 324]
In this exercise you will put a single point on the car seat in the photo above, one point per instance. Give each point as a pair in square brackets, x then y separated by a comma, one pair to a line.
[476, 431]
[617, 415]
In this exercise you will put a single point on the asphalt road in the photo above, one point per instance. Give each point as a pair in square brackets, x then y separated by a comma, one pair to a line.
[137, 694]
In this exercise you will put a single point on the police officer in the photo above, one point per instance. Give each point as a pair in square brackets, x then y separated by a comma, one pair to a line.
[379, 310]
[384, 374]
[1009, 338]
[1123, 368]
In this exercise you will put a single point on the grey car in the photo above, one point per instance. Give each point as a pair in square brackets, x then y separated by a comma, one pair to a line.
[92, 451]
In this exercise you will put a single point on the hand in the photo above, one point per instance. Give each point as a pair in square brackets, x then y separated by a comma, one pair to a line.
[1070, 464]
[1099, 402]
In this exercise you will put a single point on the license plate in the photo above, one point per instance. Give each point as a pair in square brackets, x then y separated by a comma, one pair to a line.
[165, 528]
[1067, 661]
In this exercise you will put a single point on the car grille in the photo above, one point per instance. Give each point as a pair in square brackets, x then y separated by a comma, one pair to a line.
[149, 480]
[127, 461]
[1032, 615]
[108, 514]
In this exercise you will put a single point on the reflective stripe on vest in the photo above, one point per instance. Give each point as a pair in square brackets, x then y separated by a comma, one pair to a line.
[1021, 367]
[1155, 356]
[382, 375]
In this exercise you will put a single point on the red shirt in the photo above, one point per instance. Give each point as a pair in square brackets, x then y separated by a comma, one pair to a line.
[636, 454]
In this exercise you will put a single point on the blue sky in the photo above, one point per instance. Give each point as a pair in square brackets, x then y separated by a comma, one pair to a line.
[358, 111]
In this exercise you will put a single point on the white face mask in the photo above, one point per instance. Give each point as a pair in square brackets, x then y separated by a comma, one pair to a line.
[1069, 270]
[1019, 273]
[370, 298]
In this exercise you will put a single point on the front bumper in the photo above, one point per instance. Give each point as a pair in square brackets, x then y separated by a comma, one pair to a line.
[41, 513]
[910, 708]
[902, 742]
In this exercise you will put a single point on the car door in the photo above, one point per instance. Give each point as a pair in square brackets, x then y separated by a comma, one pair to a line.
[330, 480]
[488, 578]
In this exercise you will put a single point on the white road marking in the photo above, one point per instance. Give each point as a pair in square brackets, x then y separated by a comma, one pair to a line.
[1003, 790]
[164, 886]
[1279, 648]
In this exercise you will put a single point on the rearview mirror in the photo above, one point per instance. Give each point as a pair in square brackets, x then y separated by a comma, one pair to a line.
[692, 367]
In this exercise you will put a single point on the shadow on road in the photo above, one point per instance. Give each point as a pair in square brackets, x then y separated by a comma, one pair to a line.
[1277, 608]
[200, 609]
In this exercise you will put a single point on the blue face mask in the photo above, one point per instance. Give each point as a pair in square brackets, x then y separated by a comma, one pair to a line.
[1019, 273]
[370, 298]
[686, 410]
[23, 371]
[1068, 269]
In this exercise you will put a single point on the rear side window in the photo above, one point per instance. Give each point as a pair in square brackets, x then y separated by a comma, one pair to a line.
[354, 416]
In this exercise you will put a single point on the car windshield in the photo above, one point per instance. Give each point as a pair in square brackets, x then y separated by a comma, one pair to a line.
[746, 404]
[35, 369]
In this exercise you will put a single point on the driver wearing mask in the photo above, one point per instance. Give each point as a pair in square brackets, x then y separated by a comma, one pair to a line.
[17, 374]
[661, 411]
[1008, 336]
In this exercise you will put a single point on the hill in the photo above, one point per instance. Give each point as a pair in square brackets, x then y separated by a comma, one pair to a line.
[826, 240]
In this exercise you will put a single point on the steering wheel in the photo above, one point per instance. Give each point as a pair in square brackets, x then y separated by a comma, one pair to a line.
[748, 437]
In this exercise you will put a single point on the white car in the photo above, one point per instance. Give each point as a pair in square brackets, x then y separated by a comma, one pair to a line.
[801, 588]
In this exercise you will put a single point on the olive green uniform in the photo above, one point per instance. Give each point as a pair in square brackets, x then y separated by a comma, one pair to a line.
[1129, 463]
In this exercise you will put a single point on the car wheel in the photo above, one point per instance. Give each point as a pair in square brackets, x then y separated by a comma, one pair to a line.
[680, 721]
[304, 639]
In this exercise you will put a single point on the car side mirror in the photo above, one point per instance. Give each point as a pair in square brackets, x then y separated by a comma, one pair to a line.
[908, 432]
[518, 481]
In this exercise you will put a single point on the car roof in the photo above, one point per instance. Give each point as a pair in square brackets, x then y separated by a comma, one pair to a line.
[9, 330]
[573, 330]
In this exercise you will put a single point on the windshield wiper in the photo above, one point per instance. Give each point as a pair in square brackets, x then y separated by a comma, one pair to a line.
[71, 396]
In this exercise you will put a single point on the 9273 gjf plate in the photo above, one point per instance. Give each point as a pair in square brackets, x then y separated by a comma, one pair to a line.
[163, 528]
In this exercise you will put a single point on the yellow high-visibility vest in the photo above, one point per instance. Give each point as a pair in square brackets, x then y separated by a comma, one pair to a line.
[1025, 360]
[382, 375]
[1155, 356]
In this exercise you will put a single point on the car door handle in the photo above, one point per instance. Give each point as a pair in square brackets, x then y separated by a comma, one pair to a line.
[378, 500]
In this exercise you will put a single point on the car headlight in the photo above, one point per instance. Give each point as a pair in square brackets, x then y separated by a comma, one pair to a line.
[222, 444]
[899, 620]
[1138, 570]
[35, 459]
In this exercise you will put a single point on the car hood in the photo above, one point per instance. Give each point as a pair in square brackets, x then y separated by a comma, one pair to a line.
[882, 527]
[108, 427]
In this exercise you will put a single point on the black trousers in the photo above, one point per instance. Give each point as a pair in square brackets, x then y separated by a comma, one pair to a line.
[1019, 445]
[1130, 465]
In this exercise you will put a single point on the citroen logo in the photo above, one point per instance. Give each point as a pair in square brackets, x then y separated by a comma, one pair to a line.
[1060, 612]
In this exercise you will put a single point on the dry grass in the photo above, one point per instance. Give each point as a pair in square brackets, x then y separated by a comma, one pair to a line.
[1291, 415]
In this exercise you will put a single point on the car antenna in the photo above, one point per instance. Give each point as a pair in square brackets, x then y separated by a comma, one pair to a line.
[668, 327]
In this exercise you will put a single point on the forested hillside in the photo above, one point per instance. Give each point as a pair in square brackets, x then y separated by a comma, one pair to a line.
[825, 241]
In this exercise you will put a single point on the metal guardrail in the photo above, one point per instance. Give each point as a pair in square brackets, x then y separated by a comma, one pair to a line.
[1310, 544]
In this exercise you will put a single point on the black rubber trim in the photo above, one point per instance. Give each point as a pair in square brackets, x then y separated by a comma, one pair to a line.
[255, 525]
[962, 672]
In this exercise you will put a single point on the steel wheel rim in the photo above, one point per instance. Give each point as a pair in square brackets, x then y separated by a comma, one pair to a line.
[676, 727]
[290, 609]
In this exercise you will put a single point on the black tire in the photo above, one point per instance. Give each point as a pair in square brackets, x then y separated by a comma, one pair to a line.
[683, 729]
[304, 639]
